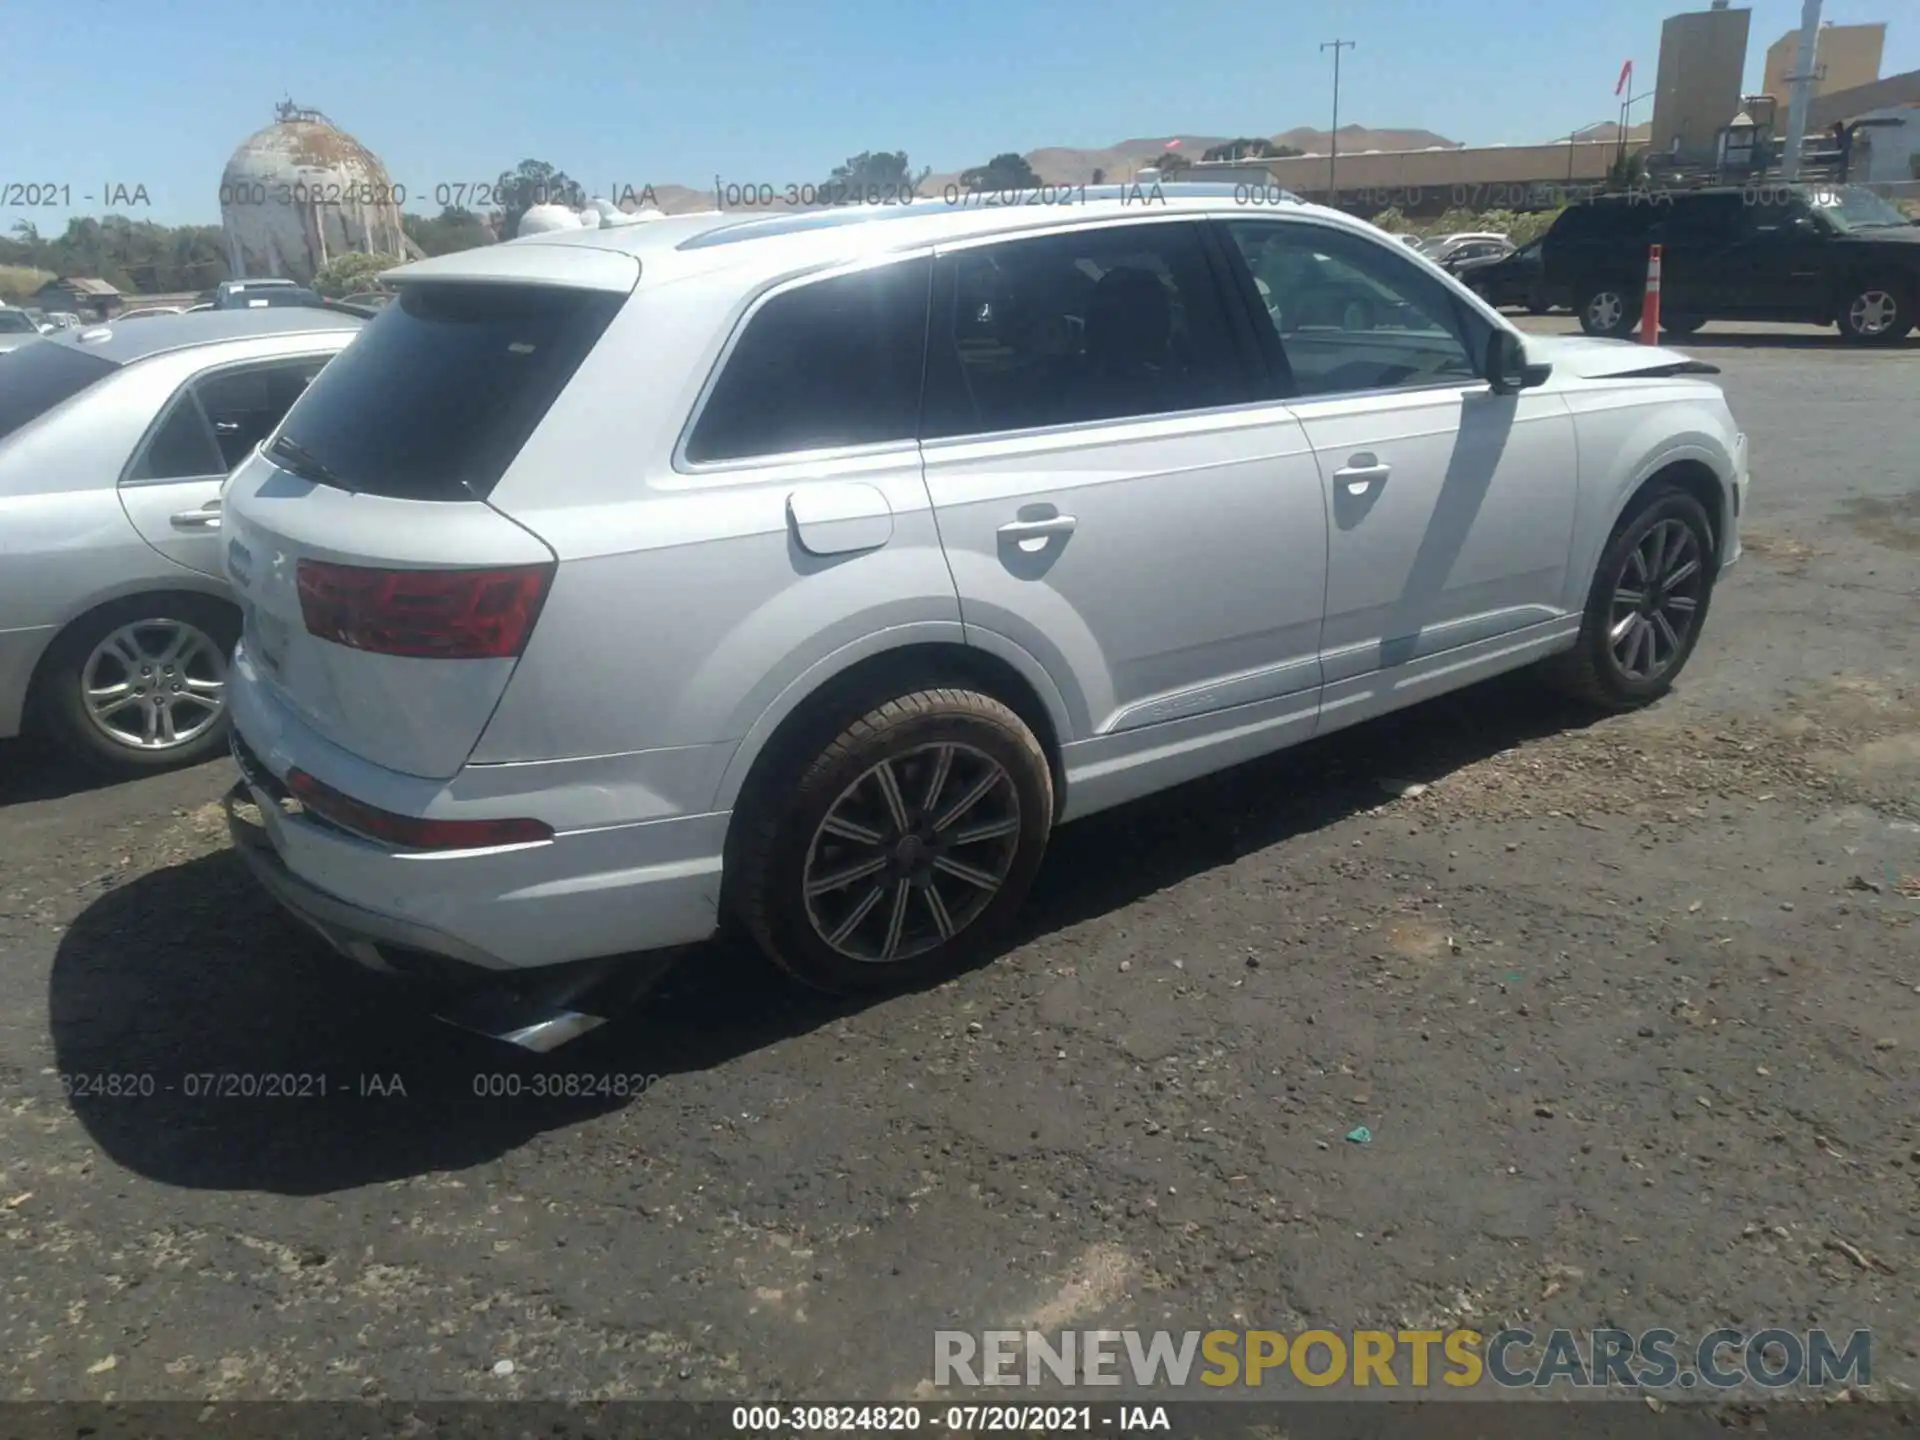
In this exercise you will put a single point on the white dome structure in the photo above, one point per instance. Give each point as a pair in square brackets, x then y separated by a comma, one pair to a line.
[544, 219]
[301, 192]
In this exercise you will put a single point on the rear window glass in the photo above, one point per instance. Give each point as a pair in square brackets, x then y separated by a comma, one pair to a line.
[435, 397]
[37, 377]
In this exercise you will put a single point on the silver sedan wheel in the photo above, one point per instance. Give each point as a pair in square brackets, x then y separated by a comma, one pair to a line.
[1655, 601]
[912, 853]
[155, 684]
[1606, 310]
[1872, 312]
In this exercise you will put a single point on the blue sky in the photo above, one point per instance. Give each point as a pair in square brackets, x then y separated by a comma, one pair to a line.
[625, 93]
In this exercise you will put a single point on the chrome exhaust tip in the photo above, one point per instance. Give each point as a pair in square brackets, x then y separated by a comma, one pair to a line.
[513, 1020]
[543, 1017]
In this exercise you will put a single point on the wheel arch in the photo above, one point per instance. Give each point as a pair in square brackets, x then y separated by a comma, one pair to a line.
[1695, 477]
[128, 599]
[813, 708]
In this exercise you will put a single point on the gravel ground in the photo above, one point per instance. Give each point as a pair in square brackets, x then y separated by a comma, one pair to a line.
[1631, 1009]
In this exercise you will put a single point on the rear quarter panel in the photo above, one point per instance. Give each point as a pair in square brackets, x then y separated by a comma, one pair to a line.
[685, 612]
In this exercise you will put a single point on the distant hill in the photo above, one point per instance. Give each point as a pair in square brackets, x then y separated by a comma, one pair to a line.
[1070, 165]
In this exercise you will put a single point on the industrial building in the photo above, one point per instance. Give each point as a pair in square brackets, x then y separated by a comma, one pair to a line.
[1698, 95]
[1697, 89]
[1844, 56]
[301, 192]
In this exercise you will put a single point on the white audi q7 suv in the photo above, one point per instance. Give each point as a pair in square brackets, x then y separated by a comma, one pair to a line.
[810, 569]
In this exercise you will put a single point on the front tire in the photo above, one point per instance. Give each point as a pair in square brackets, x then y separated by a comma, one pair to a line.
[140, 685]
[1609, 311]
[1879, 312]
[1646, 607]
[898, 853]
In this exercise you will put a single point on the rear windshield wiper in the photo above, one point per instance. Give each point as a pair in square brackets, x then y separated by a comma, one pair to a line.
[306, 463]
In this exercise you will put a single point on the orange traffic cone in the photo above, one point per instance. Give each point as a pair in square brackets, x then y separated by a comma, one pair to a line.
[1650, 307]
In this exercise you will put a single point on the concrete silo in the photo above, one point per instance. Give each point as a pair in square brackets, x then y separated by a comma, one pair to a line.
[301, 192]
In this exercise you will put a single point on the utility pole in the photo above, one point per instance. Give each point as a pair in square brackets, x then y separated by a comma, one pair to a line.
[1804, 74]
[1333, 139]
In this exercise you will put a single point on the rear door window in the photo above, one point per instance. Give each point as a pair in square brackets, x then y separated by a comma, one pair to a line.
[1107, 323]
[435, 397]
[214, 421]
[37, 377]
[828, 364]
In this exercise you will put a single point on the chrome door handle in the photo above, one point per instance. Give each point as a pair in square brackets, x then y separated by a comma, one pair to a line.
[205, 518]
[1038, 529]
[1359, 475]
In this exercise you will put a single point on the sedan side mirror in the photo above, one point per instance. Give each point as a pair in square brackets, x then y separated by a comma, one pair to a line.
[1508, 370]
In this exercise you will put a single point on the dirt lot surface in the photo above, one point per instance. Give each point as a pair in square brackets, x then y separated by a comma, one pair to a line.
[1631, 1010]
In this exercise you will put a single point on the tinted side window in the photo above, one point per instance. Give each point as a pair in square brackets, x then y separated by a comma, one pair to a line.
[183, 446]
[1603, 220]
[35, 378]
[244, 406]
[831, 363]
[1699, 219]
[1100, 324]
[1351, 314]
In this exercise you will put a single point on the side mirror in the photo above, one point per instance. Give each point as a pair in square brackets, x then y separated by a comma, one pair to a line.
[1508, 371]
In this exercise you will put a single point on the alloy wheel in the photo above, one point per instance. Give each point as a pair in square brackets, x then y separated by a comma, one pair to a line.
[912, 852]
[155, 684]
[1656, 599]
[1605, 311]
[1872, 312]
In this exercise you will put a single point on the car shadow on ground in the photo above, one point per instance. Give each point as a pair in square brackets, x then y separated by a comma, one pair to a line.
[258, 1060]
[31, 769]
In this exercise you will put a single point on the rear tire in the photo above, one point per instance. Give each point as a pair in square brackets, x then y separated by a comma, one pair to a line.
[1610, 311]
[898, 853]
[1646, 607]
[119, 681]
[1681, 325]
[1879, 312]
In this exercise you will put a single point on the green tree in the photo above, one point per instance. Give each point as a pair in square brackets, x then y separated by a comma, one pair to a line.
[454, 228]
[534, 182]
[1245, 148]
[1172, 164]
[1004, 172]
[134, 256]
[351, 273]
[886, 171]
[1628, 169]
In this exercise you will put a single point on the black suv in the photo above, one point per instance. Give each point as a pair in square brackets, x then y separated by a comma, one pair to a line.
[1824, 256]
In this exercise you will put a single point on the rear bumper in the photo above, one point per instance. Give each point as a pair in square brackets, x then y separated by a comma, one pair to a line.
[583, 895]
[355, 932]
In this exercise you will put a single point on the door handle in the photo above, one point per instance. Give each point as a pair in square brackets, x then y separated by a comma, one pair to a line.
[226, 427]
[207, 517]
[1038, 529]
[1360, 472]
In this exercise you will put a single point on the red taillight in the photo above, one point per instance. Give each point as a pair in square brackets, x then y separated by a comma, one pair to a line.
[427, 614]
[409, 831]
